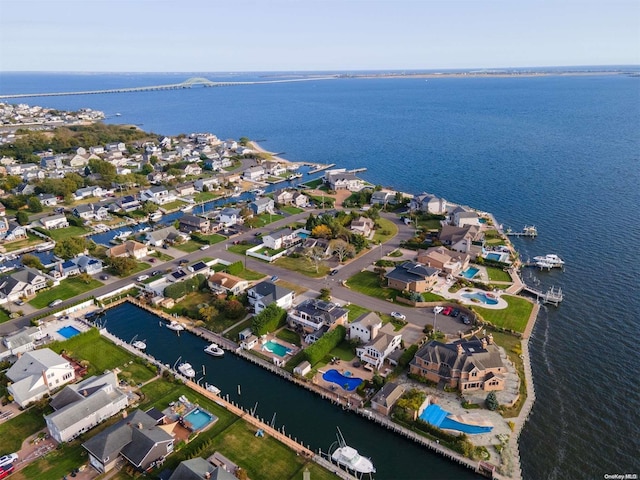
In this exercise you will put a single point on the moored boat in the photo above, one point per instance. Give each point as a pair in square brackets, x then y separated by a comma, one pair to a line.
[349, 457]
[550, 260]
[213, 389]
[139, 344]
[176, 326]
[187, 370]
[214, 349]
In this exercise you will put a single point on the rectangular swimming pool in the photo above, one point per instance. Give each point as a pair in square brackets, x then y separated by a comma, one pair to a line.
[470, 272]
[68, 331]
[198, 419]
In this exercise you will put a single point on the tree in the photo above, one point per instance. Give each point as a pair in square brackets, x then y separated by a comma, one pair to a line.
[244, 141]
[491, 401]
[314, 255]
[85, 278]
[325, 294]
[22, 217]
[312, 222]
[269, 319]
[32, 261]
[342, 249]
[70, 247]
[321, 231]
[208, 313]
[34, 205]
[149, 207]
[122, 266]
[234, 310]
[146, 169]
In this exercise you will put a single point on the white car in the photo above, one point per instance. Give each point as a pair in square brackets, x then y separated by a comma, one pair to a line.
[204, 247]
[437, 309]
[398, 315]
[6, 460]
[142, 278]
[55, 303]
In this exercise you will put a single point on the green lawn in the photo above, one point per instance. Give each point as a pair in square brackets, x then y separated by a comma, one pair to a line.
[251, 275]
[16, 429]
[431, 297]
[498, 275]
[233, 333]
[369, 283]
[205, 196]
[213, 239]
[291, 209]
[288, 336]
[303, 266]
[30, 241]
[241, 248]
[62, 233]
[56, 464]
[162, 256]
[299, 289]
[313, 183]
[140, 266]
[387, 231]
[4, 316]
[355, 311]
[344, 351]
[174, 205]
[266, 219]
[68, 288]
[189, 246]
[515, 317]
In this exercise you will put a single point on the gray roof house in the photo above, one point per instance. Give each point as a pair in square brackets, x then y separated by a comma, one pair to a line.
[385, 399]
[199, 469]
[22, 283]
[261, 205]
[412, 276]
[21, 341]
[266, 293]
[136, 437]
[313, 314]
[82, 406]
[167, 234]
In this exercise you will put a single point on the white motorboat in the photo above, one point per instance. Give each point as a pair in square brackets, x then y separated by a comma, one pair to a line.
[257, 191]
[187, 370]
[349, 457]
[549, 261]
[215, 350]
[175, 326]
[293, 176]
[213, 389]
[187, 208]
[139, 344]
[155, 216]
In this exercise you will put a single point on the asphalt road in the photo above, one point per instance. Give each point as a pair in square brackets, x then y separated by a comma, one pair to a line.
[417, 316]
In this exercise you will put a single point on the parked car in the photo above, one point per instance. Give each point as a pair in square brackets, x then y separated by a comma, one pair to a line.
[274, 278]
[55, 303]
[437, 309]
[155, 272]
[333, 272]
[8, 459]
[152, 260]
[6, 471]
[104, 277]
[204, 247]
[19, 302]
[455, 312]
[142, 278]
[465, 320]
[447, 311]
[398, 316]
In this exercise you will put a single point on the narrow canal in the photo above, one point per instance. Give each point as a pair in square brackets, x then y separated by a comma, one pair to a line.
[304, 415]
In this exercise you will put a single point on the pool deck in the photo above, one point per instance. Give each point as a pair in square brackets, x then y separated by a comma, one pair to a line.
[334, 389]
[259, 347]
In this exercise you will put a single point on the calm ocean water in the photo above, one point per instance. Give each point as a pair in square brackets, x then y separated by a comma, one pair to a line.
[562, 153]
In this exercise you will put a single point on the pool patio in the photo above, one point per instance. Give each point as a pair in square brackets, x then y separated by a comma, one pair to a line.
[274, 357]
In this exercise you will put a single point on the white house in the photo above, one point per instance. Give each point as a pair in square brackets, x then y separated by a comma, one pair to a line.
[253, 173]
[261, 205]
[23, 283]
[208, 184]
[427, 203]
[313, 314]
[373, 353]
[36, 374]
[365, 327]
[266, 293]
[54, 221]
[363, 226]
[82, 406]
[158, 194]
[21, 341]
[230, 216]
[340, 179]
[283, 238]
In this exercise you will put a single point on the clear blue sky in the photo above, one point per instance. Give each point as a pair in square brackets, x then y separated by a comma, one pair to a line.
[263, 35]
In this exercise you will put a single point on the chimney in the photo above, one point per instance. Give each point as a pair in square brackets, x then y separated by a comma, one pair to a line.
[207, 475]
[139, 426]
[459, 349]
[490, 339]
[484, 343]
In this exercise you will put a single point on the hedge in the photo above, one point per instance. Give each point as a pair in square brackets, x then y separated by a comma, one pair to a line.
[269, 319]
[327, 342]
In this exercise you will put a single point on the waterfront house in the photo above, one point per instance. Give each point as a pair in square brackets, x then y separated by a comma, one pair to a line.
[36, 374]
[365, 327]
[412, 277]
[261, 205]
[283, 238]
[362, 226]
[382, 197]
[206, 184]
[265, 293]
[427, 203]
[468, 365]
[383, 401]
[197, 469]
[158, 195]
[274, 168]
[450, 262]
[192, 223]
[221, 282]
[254, 173]
[136, 438]
[24, 340]
[468, 239]
[374, 352]
[340, 179]
[11, 230]
[157, 238]
[284, 197]
[128, 203]
[313, 314]
[54, 221]
[130, 248]
[230, 216]
[186, 189]
[22, 283]
[91, 211]
[80, 407]
[77, 265]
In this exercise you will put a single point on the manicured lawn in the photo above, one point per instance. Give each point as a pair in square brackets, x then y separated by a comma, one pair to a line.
[212, 239]
[431, 297]
[266, 219]
[355, 311]
[299, 289]
[498, 275]
[4, 316]
[189, 246]
[241, 248]
[15, 430]
[313, 183]
[515, 317]
[288, 336]
[192, 300]
[68, 288]
[513, 347]
[344, 351]
[387, 231]
[162, 256]
[369, 283]
[205, 196]
[291, 210]
[328, 201]
[233, 333]
[56, 464]
[173, 205]
[62, 233]
[303, 266]
[30, 241]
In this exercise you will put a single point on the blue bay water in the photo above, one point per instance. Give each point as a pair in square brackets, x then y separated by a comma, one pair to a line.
[560, 152]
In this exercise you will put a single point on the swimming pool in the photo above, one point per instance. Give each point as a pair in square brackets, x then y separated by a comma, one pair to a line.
[436, 416]
[470, 272]
[276, 348]
[348, 383]
[198, 419]
[481, 297]
[68, 331]
[497, 257]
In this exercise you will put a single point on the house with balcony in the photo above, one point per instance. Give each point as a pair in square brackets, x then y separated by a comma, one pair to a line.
[340, 179]
[383, 197]
[467, 365]
[284, 197]
[365, 327]
[375, 351]
[265, 293]
[254, 173]
[91, 211]
[137, 438]
[127, 203]
[448, 261]
[23, 283]
[157, 238]
[362, 226]
[468, 239]
[81, 406]
[462, 216]
[54, 221]
[11, 230]
[283, 238]
[206, 184]
[225, 283]
[314, 315]
[261, 205]
[427, 203]
[412, 277]
[192, 223]
[36, 374]
[230, 216]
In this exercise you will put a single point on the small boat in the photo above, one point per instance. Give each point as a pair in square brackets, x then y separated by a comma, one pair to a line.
[175, 326]
[155, 216]
[213, 389]
[257, 191]
[214, 350]
[549, 261]
[139, 344]
[293, 176]
[187, 370]
[187, 208]
[349, 457]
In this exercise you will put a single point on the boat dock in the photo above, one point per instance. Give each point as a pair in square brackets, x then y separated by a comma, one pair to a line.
[553, 295]
[320, 168]
[527, 231]
[357, 170]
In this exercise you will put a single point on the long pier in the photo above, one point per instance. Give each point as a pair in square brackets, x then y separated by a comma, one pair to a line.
[154, 88]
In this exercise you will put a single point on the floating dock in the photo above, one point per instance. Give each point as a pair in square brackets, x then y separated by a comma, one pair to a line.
[320, 168]
[527, 231]
[553, 295]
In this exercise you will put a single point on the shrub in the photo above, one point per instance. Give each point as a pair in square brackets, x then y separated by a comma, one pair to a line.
[492, 402]
[269, 319]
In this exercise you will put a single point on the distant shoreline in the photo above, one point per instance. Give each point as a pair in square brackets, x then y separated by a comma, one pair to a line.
[487, 74]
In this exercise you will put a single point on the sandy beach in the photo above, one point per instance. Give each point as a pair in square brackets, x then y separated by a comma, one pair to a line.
[255, 146]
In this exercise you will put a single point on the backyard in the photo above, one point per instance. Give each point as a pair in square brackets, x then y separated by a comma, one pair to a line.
[498, 275]
[387, 231]
[369, 283]
[67, 289]
[30, 241]
[303, 266]
[62, 233]
[514, 317]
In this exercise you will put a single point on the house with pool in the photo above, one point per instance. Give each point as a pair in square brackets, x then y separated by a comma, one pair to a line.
[373, 353]
[449, 261]
[468, 365]
[413, 277]
[468, 239]
[313, 316]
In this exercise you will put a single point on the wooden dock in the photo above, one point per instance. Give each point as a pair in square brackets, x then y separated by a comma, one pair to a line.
[553, 295]
[320, 168]
[527, 231]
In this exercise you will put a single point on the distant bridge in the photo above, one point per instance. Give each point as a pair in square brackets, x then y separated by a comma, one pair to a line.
[195, 81]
